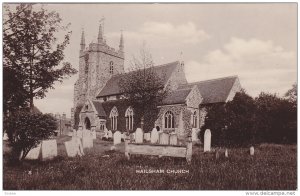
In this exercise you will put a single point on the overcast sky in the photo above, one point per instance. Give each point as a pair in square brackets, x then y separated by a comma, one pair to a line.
[257, 42]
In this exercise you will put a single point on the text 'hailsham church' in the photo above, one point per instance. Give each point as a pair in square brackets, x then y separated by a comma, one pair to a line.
[97, 95]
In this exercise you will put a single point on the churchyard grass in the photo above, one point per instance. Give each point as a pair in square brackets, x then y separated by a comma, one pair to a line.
[272, 167]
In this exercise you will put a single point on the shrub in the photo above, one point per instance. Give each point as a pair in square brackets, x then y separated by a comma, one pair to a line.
[26, 130]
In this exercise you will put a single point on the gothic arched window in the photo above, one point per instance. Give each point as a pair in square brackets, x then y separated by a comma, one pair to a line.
[169, 120]
[111, 67]
[195, 120]
[129, 118]
[114, 118]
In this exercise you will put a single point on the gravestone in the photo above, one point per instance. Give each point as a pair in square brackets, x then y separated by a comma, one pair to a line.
[94, 135]
[71, 148]
[34, 153]
[86, 133]
[117, 137]
[173, 139]
[207, 140]
[251, 150]
[5, 137]
[74, 147]
[154, 136]
[74, 133]
[139, 135]
[110, 134]
[79, 133]
[78, 146]
[49, 149]
[147, 137]
[164, 138]
[195, 135]
[105, 134]
[87, 141]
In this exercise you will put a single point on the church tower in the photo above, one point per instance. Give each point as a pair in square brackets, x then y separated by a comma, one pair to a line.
[98, 62]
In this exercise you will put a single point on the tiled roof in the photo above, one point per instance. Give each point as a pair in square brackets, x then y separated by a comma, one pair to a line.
[213, 91]
[112, 86]
[99, 108]
[177, 96]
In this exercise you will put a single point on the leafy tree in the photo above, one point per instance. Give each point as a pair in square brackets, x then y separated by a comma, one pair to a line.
[143, 89]
[31, 55]
[216, 121]
[26, 130]
[291, 95]
[232, 123]
[276, 119]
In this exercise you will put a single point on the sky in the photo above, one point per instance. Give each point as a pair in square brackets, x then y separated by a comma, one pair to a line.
[256, 42]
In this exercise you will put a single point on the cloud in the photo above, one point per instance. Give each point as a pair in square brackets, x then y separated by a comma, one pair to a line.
[186, 33]
[260, 65]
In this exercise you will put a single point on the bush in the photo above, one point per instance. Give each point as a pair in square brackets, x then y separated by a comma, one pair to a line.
[246, 121]
[26, 130]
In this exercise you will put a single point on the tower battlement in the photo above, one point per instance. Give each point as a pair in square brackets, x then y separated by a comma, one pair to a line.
[103, 48]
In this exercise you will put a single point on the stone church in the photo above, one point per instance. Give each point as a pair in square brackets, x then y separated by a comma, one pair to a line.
[97, 95]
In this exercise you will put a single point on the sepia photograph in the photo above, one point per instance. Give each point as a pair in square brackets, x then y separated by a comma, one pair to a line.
[150, 96]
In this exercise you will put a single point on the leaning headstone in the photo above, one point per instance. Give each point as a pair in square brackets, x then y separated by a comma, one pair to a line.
[110, 134]
[207, 140]
[251, 150]
[147, 137]
[49, 149]
[117, 137]
[154, 136]
[164, 138]
[173, 139]
[139, 135]
[34, 153]
[5, 137]
[87, 141]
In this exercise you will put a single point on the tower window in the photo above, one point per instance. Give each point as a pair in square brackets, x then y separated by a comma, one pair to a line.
[111, 67]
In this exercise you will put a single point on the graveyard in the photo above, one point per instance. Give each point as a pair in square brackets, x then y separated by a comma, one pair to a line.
[102, 165]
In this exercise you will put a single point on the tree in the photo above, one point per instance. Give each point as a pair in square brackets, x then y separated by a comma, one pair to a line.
[143, 89]
[276, 119]
[232, 123]
[31, 55]
[26, 130]
[291, 95]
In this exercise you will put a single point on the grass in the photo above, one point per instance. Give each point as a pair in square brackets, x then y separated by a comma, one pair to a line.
[274, 167]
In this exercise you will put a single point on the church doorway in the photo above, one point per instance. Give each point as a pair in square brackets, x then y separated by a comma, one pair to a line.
[87, 124]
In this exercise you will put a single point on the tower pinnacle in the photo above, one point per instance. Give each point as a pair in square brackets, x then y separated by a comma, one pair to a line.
[100, 34]
[82, 43]
[121, 46]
